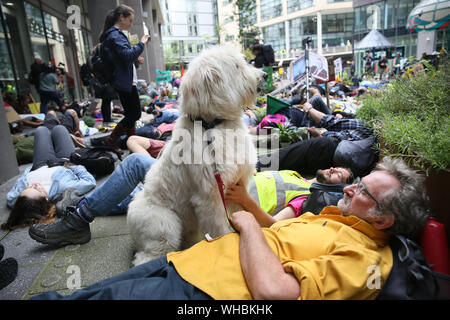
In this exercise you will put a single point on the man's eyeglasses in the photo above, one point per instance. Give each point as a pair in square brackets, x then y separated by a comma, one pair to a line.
[360, 187]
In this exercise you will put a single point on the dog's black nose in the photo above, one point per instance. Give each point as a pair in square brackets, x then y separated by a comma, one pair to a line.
[265, 75]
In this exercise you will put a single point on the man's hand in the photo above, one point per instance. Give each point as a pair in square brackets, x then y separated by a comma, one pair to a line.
[306, 106]
[243, 220]
[314, 132]
[140, 60]
[237, 193]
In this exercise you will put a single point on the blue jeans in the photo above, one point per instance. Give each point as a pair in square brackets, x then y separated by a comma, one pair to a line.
[154, 280]
[148, 131]
[166, 117]
[114, 195]
[47, 96]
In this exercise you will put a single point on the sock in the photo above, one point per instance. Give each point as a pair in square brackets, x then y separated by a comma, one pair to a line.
[84, 212]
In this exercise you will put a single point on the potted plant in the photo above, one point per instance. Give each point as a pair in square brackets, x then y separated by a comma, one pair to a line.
[411, 117]
[289, 134]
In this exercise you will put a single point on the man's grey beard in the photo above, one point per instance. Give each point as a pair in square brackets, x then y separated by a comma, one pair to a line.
[344, 204]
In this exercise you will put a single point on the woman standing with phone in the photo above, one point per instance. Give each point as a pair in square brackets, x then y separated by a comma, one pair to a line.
[124, 58]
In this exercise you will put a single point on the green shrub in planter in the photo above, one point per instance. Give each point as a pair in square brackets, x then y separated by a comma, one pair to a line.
[412, 118]
[260, 113]
[291, 135]
[261, 100]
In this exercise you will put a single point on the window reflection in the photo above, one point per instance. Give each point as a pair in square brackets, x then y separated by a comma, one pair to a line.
[276, 36]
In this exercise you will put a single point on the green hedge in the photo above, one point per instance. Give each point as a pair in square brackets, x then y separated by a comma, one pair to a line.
[412, 117]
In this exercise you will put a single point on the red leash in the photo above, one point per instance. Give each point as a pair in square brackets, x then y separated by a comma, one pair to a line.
[222, 195]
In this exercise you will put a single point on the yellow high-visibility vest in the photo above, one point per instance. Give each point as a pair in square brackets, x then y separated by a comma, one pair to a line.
[273, 190]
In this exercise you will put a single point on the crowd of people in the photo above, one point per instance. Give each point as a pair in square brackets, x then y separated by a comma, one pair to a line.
[288, 243]
[58, 203]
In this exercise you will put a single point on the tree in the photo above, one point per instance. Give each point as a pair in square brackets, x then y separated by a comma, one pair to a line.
[171, 58]
[245, 10]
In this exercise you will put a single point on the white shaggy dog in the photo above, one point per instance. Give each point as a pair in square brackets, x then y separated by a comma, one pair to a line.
[180, 201]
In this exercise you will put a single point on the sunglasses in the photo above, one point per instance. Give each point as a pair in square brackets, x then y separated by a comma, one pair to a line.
[360, 187]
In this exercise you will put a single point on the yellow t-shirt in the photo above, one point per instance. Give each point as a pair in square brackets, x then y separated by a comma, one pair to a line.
[332, 257]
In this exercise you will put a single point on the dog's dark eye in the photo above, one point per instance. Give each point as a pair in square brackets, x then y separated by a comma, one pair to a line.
[237, 66]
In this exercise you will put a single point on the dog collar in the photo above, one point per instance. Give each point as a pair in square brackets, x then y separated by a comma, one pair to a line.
[205, 124]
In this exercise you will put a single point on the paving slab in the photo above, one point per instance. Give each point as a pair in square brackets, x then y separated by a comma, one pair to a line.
[25, 277]
[108, 226]
[97, 260]
[19, 245]
[108, 253]
[43, 268]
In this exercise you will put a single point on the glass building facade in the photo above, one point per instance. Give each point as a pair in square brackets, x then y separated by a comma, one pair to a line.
[296, 5]
[390, 18]
[285, 23]
[189, 28]
[275, 35]
[32, 27]
[271, 9]
[301, 27]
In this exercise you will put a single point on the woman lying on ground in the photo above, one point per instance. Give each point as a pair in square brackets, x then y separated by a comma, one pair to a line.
[147, 146]
[70, 121]
[35, 193]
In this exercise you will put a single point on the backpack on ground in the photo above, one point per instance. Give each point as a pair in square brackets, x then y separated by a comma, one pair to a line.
[100, 66]
[97, 160]
[357, 155]
[411, 277]
[322, 195]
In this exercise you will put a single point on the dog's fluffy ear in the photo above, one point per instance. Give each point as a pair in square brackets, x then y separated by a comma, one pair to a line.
[203, 91]
[218, 84]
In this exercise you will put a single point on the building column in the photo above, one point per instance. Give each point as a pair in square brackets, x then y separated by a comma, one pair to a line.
[286, 29]
[319, 33]
[287, 37]
[426, 42]
[8, 161]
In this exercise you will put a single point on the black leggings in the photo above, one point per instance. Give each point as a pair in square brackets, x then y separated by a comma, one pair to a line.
[131, 107]
[306, 156]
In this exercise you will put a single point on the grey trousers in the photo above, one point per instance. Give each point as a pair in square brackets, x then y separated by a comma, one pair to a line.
[56, 143]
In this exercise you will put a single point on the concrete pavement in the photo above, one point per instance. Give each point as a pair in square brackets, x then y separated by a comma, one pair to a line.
[43, 268]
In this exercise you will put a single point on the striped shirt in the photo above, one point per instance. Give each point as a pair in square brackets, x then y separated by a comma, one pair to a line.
[344, 129]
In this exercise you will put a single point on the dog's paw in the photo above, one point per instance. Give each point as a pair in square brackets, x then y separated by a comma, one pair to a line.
[141, 258]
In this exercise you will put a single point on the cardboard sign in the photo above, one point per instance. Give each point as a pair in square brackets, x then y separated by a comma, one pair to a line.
[337, 65]
[297, 69]
[11, 114]
[318, 66]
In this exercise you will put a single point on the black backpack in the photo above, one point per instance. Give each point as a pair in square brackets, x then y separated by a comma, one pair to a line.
[322, 195]
[85, 74]
[269, 55]
[97, 160]
[100, 66]
[411, 277]
[36, 70]
[357, 155]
